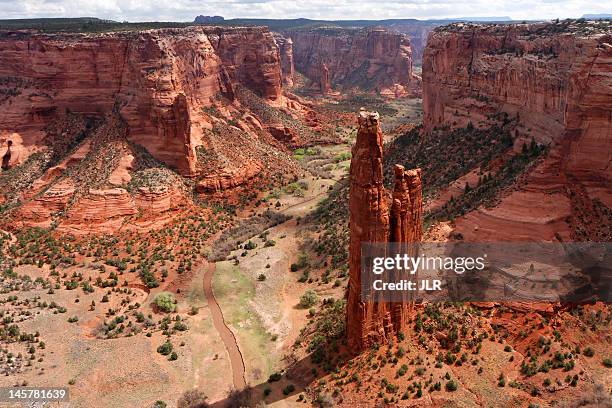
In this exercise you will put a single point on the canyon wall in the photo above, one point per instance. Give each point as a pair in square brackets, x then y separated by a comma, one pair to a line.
[374, 220]
[553, 80]
[418, 32]
[285, 48]
[158, 80]
[370, 59]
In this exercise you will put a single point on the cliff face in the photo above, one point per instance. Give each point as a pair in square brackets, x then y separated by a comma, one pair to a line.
[417, 32]
[367, 58]
[76, 111]
[285, 47]
[554, 81]
[157, 80]
[373, 220]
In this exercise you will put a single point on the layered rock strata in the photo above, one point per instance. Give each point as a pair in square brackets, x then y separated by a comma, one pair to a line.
[553, 80]
[285, 47]
[157, 80]
[374, 220]
[324, 84]
[371, 59]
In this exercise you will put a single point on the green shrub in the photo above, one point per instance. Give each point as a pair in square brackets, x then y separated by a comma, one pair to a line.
[165, 302]
[274, 377]
[308, 299]
[165, 348]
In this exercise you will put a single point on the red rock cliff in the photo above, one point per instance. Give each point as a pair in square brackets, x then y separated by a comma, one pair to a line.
[158, 80]
[366, 58]
[285, 47]
[554, 79]
[371, 221]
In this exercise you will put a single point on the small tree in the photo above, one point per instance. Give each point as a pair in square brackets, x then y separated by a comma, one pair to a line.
[165, 348]
[192, 398]
[308, 299]
[165, 302]
[451, 386]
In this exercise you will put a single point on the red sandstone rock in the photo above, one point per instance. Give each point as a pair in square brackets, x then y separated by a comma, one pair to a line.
[285, 47]
[556, 83]
[39, 211]
[283, 134]
[158, 80]
[367, 58]
[324, 84]
[418, 32]
[230, 178]
[371, 222]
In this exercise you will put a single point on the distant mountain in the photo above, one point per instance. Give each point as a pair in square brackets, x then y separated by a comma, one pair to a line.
[208, 19]
[597, 16]
[479, 19]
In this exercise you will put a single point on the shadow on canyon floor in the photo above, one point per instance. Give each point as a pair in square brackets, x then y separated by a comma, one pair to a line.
[294, 381]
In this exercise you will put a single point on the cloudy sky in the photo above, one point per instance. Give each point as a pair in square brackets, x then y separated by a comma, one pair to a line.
[186, 10]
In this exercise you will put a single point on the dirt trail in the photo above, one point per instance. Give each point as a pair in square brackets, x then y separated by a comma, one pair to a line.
[236, 360]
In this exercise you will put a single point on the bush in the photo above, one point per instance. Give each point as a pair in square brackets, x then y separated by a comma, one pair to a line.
[451, 386]
[165, 302]
[607, 362]
[589, 352]
[288, 389]
[165, 348]
[308, 299]
[274, 377]
[192, 399]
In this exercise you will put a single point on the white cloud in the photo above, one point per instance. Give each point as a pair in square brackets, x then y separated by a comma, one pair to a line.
[186, 10]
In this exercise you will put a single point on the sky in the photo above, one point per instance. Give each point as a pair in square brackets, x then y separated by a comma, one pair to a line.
[186, 10]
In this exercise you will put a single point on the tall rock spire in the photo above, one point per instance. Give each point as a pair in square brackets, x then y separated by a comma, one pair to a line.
[370, 322]
[324, 82]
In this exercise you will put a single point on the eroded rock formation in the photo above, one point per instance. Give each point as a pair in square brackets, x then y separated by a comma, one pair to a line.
[324, 84]
[373, 220]
[285, 47]
[6, 157]
[553, 80]
[90, 116]
[158, 80]
[371, 58]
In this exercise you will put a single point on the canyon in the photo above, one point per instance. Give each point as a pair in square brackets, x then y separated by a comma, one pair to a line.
[374, 59]
[205, 102]
[551, 83]
[225, 167]
[157, 80]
